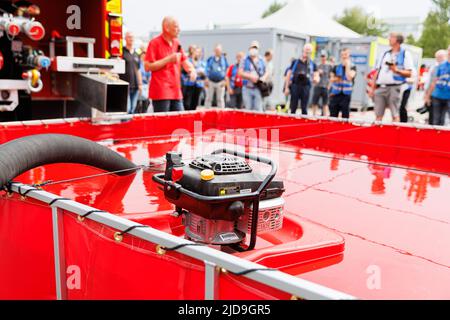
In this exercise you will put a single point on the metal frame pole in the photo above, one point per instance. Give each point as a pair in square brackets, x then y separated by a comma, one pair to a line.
[211, 281]
[275, 279]
[59, 255]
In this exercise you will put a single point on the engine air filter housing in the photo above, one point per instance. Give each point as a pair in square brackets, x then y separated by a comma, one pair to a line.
[232, 176]
[222, 164]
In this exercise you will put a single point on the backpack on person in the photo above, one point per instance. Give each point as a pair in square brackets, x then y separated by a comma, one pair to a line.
[300, 78]
[217, 69]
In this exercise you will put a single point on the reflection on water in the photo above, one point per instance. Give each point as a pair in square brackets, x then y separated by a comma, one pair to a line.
[334, 165]
[380, 173]
[138, 193]
[417, 184]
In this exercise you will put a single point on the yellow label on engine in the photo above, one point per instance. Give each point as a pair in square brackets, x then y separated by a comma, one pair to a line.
[207, 175]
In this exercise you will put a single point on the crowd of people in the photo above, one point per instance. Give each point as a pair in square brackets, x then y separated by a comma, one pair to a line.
[163, 77]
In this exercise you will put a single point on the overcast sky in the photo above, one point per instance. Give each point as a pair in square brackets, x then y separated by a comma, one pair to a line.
[143, 16]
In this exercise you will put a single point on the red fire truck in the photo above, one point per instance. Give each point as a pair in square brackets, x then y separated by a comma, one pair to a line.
[58, 59]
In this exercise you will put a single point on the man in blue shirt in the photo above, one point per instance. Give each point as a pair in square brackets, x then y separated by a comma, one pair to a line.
[440, 93]
[302, 75]
[216, 69]
[440, 56]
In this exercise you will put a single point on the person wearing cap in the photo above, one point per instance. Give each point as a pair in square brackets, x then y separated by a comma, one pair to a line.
[252, 70]
[323, 87]
[394, 68]
[302, 75]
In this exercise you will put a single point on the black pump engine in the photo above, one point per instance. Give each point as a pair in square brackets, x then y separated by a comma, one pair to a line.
[222, 199]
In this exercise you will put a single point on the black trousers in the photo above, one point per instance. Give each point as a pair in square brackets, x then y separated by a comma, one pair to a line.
[300, 94]
[340, 103]
[236, 100]
[430, 119]
[404, 106]
[191, 97]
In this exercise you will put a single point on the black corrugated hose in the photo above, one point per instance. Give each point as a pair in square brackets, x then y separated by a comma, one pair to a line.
[21, 155]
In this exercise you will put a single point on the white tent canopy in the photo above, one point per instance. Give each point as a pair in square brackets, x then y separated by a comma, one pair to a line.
[303, 17]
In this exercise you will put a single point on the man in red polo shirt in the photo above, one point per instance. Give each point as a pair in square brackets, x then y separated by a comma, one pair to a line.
[164, 59]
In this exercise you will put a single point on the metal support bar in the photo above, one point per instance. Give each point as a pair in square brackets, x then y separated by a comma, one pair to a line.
[13, 85]
[211, 281]
[275, 279]
[72, 40]
[59, 256]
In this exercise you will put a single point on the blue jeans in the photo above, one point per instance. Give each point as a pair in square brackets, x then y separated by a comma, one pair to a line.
[132, 101]
[252, 99]
[167, 105]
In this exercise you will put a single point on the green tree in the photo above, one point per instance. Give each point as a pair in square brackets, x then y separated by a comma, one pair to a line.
[411, 40]
[436, 28]
[362, 22]
[274, 7]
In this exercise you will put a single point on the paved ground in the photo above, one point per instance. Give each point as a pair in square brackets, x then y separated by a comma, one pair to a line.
[415, 102]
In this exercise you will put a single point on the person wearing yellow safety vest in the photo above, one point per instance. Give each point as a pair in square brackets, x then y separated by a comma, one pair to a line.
[342, 82]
